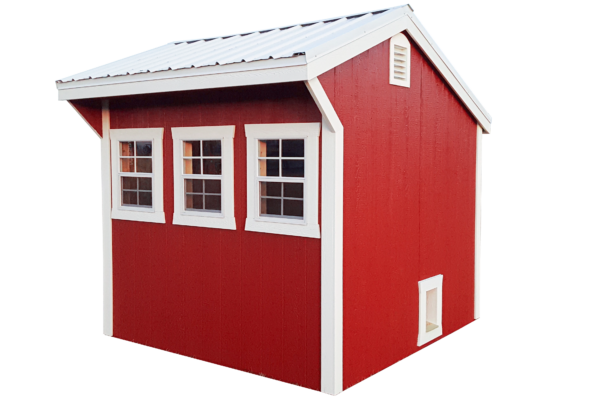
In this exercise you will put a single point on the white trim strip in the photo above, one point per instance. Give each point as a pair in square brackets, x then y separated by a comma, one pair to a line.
[175, 84]
[84, 120]
[319, 59]
[478, 181]
[107, 263]
[332, 251]
[437, 57]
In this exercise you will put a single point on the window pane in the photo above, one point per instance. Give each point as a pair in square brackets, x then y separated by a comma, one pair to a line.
[293, 208]
[143, 149]
[293, 190]
[270, 189]
[144, 164]
[145, 183]
[213, 202]
[292, 148]
[191, 148]
[127, 165]
[292, 168]
[127, 149]
[273, 206]
[194, 202]
[212, 167]
[146, 199]
[211, 148]
[129, 183]
[192, 166]
[212, 186]
[272, 168]
[268, 148]
[193, 186]
[129, 197]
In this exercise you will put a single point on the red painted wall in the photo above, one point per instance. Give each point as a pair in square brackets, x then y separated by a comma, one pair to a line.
[91, 111]
[245, 300]
[409, 205]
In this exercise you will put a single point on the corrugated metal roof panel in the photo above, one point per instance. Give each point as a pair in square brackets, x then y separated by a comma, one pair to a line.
[276, 43]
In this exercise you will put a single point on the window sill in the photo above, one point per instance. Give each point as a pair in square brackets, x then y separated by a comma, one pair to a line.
[217, 221]
[141, 216]
[284, 228]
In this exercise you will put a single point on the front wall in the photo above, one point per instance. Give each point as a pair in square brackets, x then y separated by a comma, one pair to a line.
[409, 205]
[245, 300]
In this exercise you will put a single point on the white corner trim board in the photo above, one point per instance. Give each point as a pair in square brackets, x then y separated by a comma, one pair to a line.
[225, 219]
[430, 309]
[332, 250]
[308, 225]
[107, 264]
[478, 183]
[142, 214]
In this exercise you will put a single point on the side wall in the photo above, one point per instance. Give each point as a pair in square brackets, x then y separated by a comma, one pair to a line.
[409, 205]
[245, 300]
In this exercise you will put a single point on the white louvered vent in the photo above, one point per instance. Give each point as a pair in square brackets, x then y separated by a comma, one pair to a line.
[400, 61]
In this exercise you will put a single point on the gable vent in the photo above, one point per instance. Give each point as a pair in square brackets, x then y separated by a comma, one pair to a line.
[400, 62]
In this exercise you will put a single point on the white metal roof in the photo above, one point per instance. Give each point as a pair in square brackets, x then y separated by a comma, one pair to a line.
[289, 54]
[289, 41]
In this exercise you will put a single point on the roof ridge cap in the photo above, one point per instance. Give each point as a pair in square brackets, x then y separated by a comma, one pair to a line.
[354, 15]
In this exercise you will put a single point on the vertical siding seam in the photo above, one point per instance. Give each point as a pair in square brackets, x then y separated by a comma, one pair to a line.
[306, 358]
[262, 328]
[420, 159]
[221, 297]
[282, 307]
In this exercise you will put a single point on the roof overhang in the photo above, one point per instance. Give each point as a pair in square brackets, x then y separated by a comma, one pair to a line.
[320, 59]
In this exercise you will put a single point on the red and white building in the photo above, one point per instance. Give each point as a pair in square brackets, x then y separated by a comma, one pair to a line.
[301, 203]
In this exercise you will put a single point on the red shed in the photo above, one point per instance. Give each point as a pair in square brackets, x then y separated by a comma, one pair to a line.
[301, 203]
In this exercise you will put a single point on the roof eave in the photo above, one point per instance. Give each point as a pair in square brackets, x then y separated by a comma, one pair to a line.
[321, 57]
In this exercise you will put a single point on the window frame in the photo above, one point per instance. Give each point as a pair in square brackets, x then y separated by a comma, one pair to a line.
[142, 214]
[205, 219]
[308, 226]
[426, 285]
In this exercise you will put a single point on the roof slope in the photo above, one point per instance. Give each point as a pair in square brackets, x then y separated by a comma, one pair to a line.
[293, 53]
[289, 41]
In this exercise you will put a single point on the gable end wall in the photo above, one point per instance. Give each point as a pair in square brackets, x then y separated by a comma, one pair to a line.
[409, 205]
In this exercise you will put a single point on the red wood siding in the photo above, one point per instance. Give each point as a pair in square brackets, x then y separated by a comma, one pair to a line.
[245, 300]
[409, 205]
[91, 111]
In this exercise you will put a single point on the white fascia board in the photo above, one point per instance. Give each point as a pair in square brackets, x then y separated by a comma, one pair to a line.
[107, 259]
[434, 53]
[239, 74]
[84, 120]
[332, 242]
[332, 44]
[404, 22]
[362, 43]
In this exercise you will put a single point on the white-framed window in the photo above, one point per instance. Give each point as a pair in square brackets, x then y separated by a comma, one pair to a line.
[400, 60]
[430, 309]
[283, 179]
[137, 174]
[203, 176]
